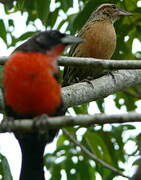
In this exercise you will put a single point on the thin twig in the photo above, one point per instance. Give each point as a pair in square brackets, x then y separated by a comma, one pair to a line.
[131, 93]
[138, 90]
[92, 156]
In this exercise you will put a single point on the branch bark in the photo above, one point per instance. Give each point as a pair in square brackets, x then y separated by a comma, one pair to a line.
[92, 62]
[137, 175]
[102, 87]
[105, 64]
[64, 121]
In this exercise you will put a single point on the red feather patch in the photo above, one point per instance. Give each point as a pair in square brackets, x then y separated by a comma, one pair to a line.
[29, 85]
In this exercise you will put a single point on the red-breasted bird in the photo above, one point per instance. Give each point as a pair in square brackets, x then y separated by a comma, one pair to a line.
[31, 89]
[100, 42]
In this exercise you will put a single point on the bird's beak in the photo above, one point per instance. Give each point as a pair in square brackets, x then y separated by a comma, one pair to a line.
[124, 13]
[71, 40]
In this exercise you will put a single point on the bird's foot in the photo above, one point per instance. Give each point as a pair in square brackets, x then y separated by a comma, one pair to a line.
[4, 123]
[110, 73]
[88, 80]
[40, 121]
[113, 77]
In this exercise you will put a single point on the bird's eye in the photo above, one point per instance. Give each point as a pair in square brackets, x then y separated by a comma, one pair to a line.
[113, 6]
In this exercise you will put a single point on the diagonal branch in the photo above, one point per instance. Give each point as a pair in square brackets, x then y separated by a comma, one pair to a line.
[92, 156]
[136, 95]
[102, 87]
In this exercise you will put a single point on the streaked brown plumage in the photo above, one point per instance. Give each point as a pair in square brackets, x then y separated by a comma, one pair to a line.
[100, 37]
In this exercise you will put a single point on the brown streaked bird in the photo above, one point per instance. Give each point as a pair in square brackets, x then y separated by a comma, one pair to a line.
[100, 42]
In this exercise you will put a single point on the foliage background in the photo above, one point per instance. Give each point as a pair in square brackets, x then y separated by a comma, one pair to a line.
[107, 142]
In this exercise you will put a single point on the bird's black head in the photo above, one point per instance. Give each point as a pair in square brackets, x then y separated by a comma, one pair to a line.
[46, 40]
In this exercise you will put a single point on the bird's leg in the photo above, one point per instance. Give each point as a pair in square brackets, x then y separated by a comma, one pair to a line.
[40, 121]
[113, 77]
[109, 73]
[40, 125]
[88, 80]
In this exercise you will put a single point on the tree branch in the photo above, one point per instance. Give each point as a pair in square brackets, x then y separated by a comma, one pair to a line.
[92, 62]
[91, 155]
[102, 87]
[65, 121]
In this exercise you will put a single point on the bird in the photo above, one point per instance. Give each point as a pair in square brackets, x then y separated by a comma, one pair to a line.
[100, 42]
[31, 89]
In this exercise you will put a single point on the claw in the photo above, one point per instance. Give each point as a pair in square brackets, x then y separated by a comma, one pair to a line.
[40, 120]
[88, 81]
[109, 73]
[113, 77]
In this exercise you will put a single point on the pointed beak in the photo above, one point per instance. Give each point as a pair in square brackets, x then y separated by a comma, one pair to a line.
[71, 40]
[124, 13]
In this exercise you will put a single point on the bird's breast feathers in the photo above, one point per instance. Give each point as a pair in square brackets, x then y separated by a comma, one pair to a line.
[29, 84]
[100, 40]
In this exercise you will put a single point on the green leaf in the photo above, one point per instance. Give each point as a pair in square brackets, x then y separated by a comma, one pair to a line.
[137, 162]
[52, 17]
[3, 31]
[129, 101]
[43, 9]
[65, 5]
[98, 146]
[81, 109]
[26, 35]
[5, 169]
[100, 104]
[60, 140]
[56, 173]
[11, 22]
[23, 37]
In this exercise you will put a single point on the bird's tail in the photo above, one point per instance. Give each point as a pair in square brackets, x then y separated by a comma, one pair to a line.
[32, 147]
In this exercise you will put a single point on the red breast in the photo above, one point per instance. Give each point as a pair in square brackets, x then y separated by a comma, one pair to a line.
[35, 91]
